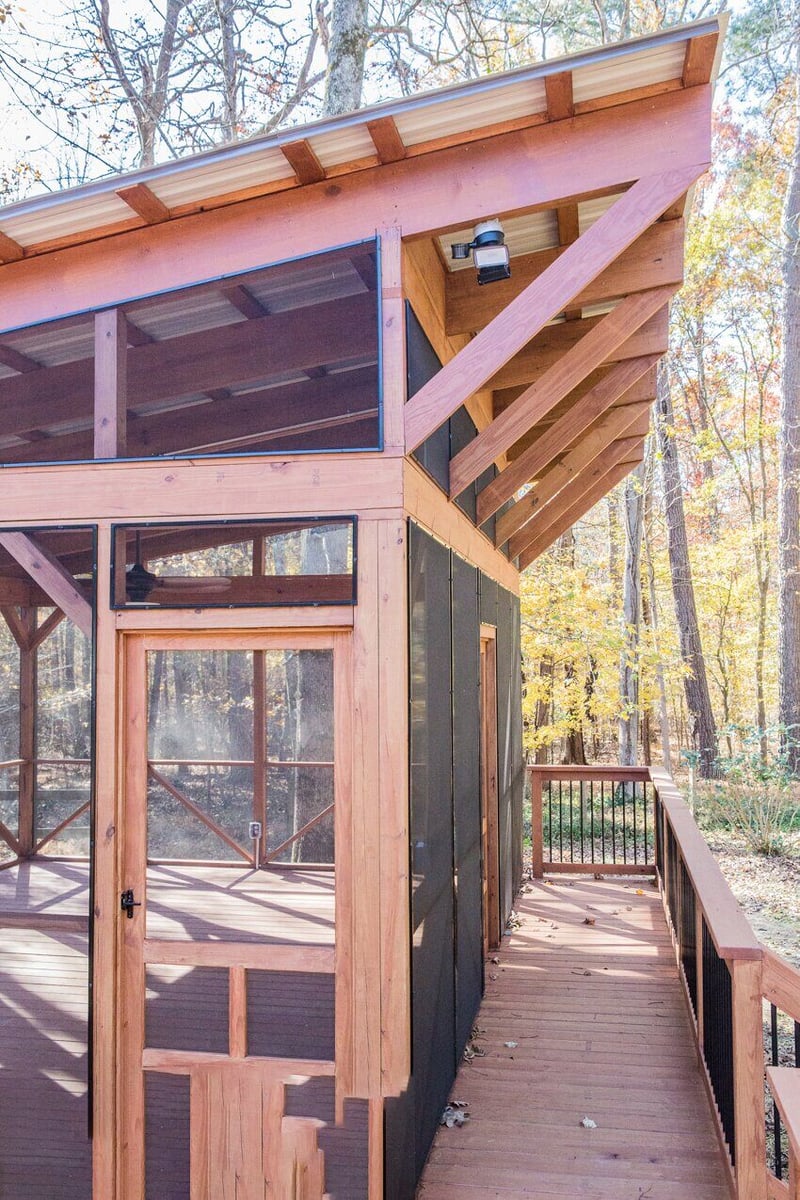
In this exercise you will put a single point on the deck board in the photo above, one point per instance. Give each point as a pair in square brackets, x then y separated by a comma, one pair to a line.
[602, 1031]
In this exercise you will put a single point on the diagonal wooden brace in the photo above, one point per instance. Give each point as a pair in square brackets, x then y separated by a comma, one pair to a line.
[556, 383]
[52, 577]
[622, 379]
[578, 497]
[543, 300]
[514, 523]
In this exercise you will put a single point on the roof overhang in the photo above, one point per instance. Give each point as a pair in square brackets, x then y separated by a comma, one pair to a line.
[683, 56]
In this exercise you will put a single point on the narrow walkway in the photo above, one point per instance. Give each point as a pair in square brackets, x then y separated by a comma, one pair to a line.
[588, 991]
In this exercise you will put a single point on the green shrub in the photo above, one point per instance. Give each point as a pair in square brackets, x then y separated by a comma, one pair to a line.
[756, 795]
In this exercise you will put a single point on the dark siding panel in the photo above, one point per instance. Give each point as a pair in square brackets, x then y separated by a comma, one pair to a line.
[466, 795]
[422, 363]
[517, 759]
[433, 916]
[488, 592]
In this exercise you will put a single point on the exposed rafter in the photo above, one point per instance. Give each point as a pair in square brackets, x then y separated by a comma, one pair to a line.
[576, 500]
[10, 251]
[537, 400]
[304, 162]
[386, 139]
[145, 203]
[607, 430]
[622, 380]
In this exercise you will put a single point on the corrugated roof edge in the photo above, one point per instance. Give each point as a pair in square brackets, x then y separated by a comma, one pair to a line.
[232, 150]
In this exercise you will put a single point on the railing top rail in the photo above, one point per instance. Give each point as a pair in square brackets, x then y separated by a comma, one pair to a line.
[781, 984]
[612, 774]
[730, 929]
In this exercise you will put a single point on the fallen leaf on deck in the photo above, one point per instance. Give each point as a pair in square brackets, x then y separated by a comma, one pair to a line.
[588, 920]
[588, 1123]
[511, 1045]
[578, 971]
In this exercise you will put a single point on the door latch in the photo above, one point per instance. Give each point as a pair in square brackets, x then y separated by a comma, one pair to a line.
[128, 904]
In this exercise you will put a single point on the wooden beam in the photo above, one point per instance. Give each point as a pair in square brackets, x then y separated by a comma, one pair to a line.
[582, 504]
[244, 301]
[295, 410]
[144, 202]
[45, 570]
[698, 63]
[386, 139]
[440, 190]
[110, 383]
[10, 251]
[542, 300]
[654, 259]
[537, 400]
[598, 438]
[303, 161]
[620, 381]
[620, 450]
[558, 91]
[247, 352]
[553, 343]
[21, 363]
[632, 431]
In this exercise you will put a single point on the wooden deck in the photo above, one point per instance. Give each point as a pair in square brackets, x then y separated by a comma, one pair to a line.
[601, 1030]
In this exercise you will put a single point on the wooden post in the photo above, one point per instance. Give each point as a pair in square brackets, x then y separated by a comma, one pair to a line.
[537, 831]
[109, 722]
[259, 726]
[394, 339]
[110, 384]
[27, 736]
[748, 1079]
[698, 958]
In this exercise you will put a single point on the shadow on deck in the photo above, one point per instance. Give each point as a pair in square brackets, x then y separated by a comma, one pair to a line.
[588, 990]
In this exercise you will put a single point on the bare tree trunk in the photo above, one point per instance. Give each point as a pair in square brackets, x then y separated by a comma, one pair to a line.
[663, 710]
[789, 476]
[349, 37]
[229, 82]
[631, 616]
[698, 701]
[542, 714]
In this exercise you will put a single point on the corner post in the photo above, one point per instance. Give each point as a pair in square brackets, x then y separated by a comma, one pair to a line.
[393, 339]
[748, 1080]
[537, 833]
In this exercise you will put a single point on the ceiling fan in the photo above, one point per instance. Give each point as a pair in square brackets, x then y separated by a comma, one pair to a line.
[139, 582]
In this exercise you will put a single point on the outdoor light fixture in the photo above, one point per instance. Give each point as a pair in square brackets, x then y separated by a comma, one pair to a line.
[489, 252]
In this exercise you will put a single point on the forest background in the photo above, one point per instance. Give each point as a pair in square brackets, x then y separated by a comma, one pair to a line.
[680, 641]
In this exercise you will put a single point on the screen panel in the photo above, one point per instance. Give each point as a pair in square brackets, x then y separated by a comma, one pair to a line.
[276, 360]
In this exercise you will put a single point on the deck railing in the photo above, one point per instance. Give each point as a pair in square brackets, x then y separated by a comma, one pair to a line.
[744, 999]
[593, 818]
